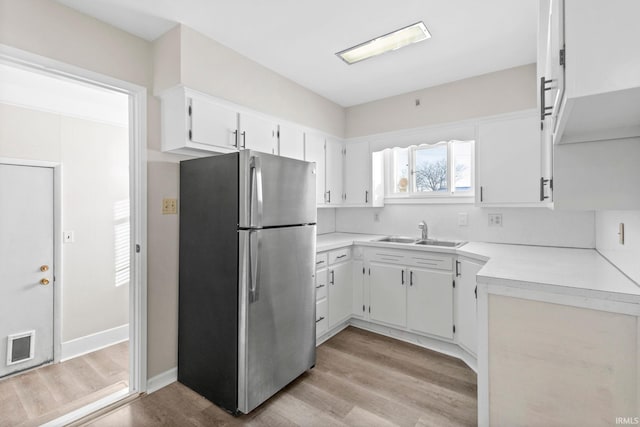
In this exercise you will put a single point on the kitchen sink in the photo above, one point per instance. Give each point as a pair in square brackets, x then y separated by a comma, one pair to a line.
[443, 243]
[398, 239]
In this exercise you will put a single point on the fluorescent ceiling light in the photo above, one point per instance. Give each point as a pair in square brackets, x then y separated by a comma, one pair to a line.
[392, 41]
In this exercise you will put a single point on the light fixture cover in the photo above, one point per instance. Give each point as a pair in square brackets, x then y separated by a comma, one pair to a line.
[392, 41]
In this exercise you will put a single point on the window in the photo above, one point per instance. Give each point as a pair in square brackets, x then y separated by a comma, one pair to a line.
[122, 232]
[439, 170]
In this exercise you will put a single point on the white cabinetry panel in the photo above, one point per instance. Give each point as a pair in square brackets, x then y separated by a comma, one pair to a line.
[388, 295]
[430, 302]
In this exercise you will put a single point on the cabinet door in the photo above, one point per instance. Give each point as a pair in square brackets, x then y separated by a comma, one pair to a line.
[291, 141]
[212, 124]
[358, 308]
[258, 133]
[334, 172]
[466, 324]
[509, 160]
[340, 293]
[314, 151]
[430, 302]
[388, 294]
[321, 284]
[554, 72]
[357, 178]
[321, 317]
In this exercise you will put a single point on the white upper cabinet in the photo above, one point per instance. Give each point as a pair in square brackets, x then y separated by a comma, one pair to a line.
[212, 124]
[314, 147]
[508, 161]
[592, 69]
[195, 124]
[357, 174]
[334, 173]
[291, 141]
[258, 133]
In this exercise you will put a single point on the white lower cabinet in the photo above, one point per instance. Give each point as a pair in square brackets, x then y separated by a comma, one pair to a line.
[430, 302]
[387, 294]
[466, 304]
[357, 277]
[410, 290]
[334, 289]
[322, 320]
[340, 293]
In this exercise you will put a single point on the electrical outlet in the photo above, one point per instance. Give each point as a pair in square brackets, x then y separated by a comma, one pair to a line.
[68, 237]
[376, 217]
[169, 206]
[463, 219]
[495, 220]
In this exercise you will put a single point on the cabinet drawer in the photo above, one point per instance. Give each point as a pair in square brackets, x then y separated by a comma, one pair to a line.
[321, 260]
[429, 260]
[339, 255]
[321, 284]
[388, 257]
[321, 317]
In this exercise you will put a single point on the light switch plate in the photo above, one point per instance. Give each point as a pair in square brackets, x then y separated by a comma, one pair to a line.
[463, 219]
[169, 206]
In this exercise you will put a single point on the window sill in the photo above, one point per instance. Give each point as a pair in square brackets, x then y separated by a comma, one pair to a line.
[444, 200]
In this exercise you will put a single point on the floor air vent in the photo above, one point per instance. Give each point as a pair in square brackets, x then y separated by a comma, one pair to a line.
[20, 347]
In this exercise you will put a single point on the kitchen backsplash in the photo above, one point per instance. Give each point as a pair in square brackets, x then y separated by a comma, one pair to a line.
[326, 221]
[530, 226]
[625, 256]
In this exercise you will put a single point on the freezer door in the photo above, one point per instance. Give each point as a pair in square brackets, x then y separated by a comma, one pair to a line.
[275, 191]
[277, 311]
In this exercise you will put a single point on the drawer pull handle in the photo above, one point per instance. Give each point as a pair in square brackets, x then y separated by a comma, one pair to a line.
[341, 256]
[319, 262]
[319, 286]
[320, 319]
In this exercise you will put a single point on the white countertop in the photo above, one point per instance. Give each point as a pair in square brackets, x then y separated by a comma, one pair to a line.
[579, 272]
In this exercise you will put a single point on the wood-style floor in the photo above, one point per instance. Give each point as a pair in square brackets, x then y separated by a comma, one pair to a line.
[43, 394]
[360, 379]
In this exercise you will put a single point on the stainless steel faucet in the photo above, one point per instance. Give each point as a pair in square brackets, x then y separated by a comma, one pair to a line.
[425, 229]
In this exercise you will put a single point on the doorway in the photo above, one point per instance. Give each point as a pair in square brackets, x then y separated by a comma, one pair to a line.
[90, 286]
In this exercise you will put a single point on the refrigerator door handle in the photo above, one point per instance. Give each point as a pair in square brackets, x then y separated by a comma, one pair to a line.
[256, 174]
[254, 265]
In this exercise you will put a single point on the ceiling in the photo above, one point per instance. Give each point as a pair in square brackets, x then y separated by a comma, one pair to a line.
[299, 38]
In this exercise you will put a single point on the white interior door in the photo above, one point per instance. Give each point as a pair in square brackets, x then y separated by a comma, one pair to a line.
[26, 267]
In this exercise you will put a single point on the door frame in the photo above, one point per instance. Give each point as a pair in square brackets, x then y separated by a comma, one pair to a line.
[138, 198]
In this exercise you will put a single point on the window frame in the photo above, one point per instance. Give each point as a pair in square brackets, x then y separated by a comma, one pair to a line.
[412, 196]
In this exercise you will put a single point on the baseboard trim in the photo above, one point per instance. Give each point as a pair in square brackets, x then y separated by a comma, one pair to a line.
[163, 379]
[452, 349]
[90, 343]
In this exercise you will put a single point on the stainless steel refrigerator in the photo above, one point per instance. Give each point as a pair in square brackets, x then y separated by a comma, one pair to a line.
[246, 296]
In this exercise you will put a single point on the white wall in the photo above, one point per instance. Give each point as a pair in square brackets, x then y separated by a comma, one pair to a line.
[531, 226]
[486, 95]
[626, 257]
[212, 68]
[326, 220]
[94, 158]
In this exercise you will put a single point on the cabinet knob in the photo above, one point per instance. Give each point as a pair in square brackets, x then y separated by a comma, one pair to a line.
[44, 281]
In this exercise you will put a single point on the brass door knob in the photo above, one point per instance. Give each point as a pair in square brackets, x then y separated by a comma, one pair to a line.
[44, 268]
[44, 281]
